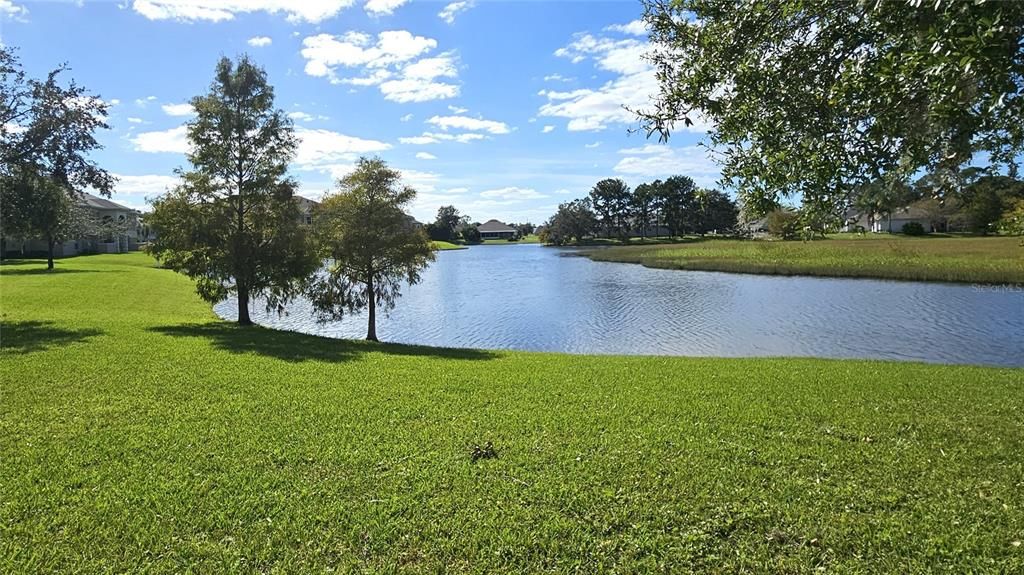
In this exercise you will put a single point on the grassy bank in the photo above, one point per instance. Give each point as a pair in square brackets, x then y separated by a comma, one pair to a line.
[977, 260]
[140, 434]
[445, 246]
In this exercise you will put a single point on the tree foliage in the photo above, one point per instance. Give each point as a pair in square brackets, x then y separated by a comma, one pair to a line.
[51, 127]
[371, 242]
[233, 223]
[611, 199]
[816, 98]
[573, 222]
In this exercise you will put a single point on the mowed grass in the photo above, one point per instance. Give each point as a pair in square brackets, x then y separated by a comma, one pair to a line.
[993, 260]
[445, 246]
[138, 433]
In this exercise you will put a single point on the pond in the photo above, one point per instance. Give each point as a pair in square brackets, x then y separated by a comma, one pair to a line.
[530, 297]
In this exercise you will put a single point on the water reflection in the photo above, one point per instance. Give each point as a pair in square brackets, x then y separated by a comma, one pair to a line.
[534, 298]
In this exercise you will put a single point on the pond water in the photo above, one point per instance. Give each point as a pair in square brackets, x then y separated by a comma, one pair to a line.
[531, 297]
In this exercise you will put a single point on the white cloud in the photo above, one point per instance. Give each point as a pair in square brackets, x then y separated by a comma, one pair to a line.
[594, 145]
[312, 11]
[635, 28]
[260, 41]
[437, 137]
[114, 102]
[655, 160]
[324, 149]
[178, 109]
[389, 63]
[173, 141]
[303, 117]
[547, 129]
[470, 124]
[9, 9]
[449, 12]
[419, 140]
[147, 185]
[425, 156]
[323, 52]
[382, 7]
[403, 91]
[558, 78]
[143, 102]
[457, 110]
[405, 118]
[622, 56]
[512, 193]
[593, 109]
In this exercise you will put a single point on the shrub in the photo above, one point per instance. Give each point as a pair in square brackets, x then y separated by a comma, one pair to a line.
[913, 229]
[471, 234]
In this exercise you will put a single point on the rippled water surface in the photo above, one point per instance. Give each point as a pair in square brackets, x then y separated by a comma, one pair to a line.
[535, 298]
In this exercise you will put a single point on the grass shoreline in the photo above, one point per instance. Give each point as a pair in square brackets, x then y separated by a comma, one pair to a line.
[990, 261]
[140, 433]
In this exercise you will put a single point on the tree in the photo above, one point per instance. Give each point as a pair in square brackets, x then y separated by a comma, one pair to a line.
[611, 200]
[233, 223]
[573, 222]
[815, 98]
[984, 199]
[447, 222]
[677, 199]
[51, 127]
[717, 211]
[643, 207]
[371, 244]
[35, 205]
[524, 229]
[47, 131]
[471, 233]
[878, 198]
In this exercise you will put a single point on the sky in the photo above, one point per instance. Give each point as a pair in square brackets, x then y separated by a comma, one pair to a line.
[504, 109]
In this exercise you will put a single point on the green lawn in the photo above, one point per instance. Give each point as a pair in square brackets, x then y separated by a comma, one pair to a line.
[140, 434]
[955, 259]
[445, 246]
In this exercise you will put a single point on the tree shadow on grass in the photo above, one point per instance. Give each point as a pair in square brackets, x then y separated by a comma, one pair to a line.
[10, 270]
[31, 336]
[295, 347]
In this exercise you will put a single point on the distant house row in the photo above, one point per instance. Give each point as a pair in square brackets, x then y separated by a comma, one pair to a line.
[855, 221]
[126, 236]
[129, 232]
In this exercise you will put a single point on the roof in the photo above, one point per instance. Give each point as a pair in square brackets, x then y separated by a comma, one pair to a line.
[909, 213]
[98, 203]
[495, 226]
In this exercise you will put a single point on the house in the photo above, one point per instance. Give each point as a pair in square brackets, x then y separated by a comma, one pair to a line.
[120, 232]
[495, 230]
[306, 209]
[856, 221]
[895, 220]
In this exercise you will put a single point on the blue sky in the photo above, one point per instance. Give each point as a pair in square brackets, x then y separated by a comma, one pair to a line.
[504, 109]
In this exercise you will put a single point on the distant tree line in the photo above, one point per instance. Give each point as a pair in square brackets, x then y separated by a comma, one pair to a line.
[672, 207]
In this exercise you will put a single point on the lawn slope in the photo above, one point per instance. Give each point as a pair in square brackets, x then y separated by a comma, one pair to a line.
[992, 260]
[138, 433]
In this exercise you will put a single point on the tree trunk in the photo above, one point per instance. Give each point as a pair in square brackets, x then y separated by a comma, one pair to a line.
[371, 327]
[49, 252]
[243, 306]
